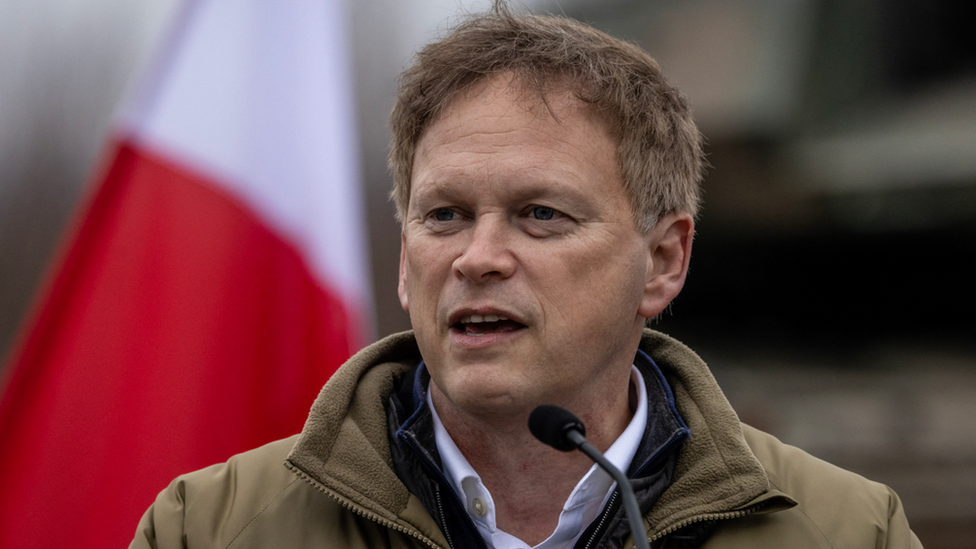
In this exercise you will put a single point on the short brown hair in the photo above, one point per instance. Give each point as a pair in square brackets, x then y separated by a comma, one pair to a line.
[659, 149]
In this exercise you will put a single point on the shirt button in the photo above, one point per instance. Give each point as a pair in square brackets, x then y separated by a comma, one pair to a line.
[479, 506]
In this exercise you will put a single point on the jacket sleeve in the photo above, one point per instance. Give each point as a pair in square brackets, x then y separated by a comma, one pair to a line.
[161, 527]
[899, 533]
[211, 506]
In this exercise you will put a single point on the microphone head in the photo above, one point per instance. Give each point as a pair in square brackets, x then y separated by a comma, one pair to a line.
[551, 425]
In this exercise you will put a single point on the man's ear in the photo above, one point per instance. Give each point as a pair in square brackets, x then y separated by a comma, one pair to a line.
[668, 255]
[402, 285]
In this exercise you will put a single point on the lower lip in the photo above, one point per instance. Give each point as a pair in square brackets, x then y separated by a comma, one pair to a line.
[462, 339]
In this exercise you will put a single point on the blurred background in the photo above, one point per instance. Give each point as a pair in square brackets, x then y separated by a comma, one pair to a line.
[831, 283]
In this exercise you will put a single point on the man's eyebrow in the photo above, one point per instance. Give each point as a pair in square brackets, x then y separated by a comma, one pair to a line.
[559, 195]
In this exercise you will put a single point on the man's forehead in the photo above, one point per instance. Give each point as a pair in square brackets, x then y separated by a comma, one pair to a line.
[553, 99]
[497, 120]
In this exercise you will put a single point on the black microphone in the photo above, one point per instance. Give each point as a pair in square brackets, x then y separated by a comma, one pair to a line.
[559, 428]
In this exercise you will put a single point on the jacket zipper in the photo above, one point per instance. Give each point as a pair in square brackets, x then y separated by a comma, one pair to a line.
[363, 512]
[674, 528]
[440, 510]
[701, 518]
[603, 519]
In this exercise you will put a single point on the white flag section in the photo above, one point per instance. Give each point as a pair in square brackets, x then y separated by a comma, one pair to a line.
[257, 94]
[212, 283]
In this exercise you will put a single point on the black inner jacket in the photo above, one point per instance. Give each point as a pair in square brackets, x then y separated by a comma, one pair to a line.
[418, 464]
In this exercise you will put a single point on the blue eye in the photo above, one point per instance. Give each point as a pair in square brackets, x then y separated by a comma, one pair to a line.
[543, 213]
[444, 214]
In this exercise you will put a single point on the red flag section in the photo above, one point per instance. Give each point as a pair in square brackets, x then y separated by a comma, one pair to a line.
[195, 313]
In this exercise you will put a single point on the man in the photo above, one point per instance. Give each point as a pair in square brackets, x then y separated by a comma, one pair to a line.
[546, 180]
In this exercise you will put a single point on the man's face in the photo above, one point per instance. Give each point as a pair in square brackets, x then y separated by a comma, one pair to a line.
[521, 267]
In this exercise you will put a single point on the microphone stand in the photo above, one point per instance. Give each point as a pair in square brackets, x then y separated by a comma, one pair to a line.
[630, 500]
[563, 431]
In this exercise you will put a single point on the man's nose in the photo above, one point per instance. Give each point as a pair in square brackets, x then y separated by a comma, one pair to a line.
[488, 254]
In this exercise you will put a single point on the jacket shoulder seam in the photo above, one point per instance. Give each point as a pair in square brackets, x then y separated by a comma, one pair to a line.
[799, 508]
[260, 512]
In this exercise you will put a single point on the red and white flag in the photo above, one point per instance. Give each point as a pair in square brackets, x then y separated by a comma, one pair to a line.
[214, 280]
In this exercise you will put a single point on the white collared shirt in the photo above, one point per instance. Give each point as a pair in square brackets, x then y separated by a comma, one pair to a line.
[584, 503]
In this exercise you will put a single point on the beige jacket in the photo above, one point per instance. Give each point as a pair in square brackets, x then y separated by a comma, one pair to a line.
[334, 484]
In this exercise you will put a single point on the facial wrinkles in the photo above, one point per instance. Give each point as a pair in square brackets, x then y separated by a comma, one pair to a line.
[525, 256]
[586, 271]
[514, 133]
[497, 166]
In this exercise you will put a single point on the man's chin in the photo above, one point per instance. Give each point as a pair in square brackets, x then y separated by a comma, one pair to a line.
[482, 398]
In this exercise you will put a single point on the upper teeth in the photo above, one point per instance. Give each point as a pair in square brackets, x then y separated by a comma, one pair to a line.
[471, 319]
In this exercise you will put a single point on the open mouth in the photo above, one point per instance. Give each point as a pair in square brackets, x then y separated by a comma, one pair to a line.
[480, 325]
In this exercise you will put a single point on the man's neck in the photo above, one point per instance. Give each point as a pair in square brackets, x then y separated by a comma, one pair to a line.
[528, 480]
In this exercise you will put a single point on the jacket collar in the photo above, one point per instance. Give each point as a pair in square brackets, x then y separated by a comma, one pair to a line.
[716, 471]
[344, 446]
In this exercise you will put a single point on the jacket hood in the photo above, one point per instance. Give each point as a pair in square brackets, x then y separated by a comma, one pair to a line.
[344, 445]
